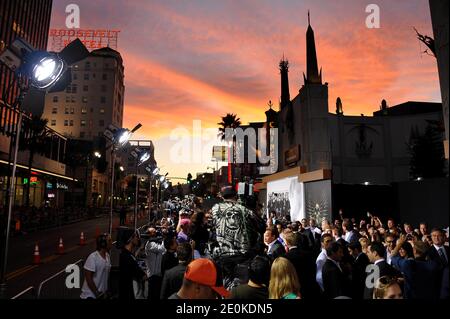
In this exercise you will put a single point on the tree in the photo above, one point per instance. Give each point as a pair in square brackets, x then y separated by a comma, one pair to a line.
[34, 136]
[229, 121]
[427, 152]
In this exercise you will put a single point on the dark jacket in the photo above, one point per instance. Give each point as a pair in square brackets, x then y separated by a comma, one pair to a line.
[168, 261]
[305, 267]
[384, 270]
[359, 275]
[420, 277]
[129, 270]
[172, 281]
[276, 250]
[335, 282]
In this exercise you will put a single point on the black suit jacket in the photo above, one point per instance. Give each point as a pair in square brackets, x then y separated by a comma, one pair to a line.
[305, 267]
[172, 281]
[434, 255]
[359, 275]
[335, 282]
[385, 270]
[276, 250]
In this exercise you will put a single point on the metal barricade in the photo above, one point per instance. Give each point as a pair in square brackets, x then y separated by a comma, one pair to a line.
[29, 293]
[55, 287]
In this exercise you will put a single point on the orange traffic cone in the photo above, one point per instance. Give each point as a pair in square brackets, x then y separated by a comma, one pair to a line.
[36, 255]
[82, 239]
[61, 247]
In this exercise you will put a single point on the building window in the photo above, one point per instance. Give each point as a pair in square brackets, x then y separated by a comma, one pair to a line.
[83, 111]
[86, 76]
[103, 99]
[72, 89]
[71, 122]
[55, 110]
[67, 99]
[101, 123]
[102, 110]
[87, 65]
[82, 134]
[103, 88]
[85, 88]
[72, 110]
[66, 123]
[55, 99]
[105, 77]
[75, 76]
[83, 123]
[93, 76]
[53, 123]
[73, 99]
[85, 99]
[92, 110]
[66, 110]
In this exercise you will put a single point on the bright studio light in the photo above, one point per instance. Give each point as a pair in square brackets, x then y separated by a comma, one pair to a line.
[124, 137]
[47, 72]
[144, 158]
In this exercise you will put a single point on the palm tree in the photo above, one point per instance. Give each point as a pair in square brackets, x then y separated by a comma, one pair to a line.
[229, 121]
[33, 139]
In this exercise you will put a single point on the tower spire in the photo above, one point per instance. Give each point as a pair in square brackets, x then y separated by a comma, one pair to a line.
[312, 69]
[285, 96]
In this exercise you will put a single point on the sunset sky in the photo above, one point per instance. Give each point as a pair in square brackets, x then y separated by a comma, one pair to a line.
[191, 60]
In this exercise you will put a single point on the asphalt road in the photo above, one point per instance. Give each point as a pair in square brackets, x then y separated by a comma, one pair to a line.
[21, 273]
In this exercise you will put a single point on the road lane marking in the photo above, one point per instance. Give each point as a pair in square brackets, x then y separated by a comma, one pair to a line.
[24, 270]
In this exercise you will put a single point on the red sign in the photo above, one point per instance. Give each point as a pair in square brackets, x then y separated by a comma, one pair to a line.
[92, 39]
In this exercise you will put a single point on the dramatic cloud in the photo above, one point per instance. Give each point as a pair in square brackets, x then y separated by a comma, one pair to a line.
[197, 60]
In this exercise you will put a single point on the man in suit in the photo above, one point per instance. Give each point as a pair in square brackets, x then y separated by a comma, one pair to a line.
[335, 282]
[376, 252]
[305, 266]
[359, 264]
[350, 235]
[274, 248]
[173, 278]
[440, 254]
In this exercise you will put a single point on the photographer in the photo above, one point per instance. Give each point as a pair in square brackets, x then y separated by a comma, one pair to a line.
[154, 250]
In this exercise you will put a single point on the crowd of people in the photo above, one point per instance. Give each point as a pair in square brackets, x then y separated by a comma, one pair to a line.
[234, 251]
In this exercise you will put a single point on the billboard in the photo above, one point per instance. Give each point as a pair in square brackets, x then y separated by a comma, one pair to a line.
[286, 197]
[318, 200]
[92, 39]
[219, 153]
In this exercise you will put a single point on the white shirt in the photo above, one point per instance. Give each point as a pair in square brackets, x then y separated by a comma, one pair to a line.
[100, 267]
[321, 259]
[379, 260]
[347, 236]
[154, 252]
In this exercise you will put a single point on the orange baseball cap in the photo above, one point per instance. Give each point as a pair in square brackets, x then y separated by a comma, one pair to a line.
[203, 271]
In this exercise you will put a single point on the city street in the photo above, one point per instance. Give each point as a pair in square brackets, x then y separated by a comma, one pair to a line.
[22, 273]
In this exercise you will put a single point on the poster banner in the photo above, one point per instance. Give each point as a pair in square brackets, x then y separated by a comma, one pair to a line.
[286, 197]
[318, 200]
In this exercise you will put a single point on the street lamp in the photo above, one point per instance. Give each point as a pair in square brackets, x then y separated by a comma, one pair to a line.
[118, 137]
[152, 171]
[40, 70]
[141, 157]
